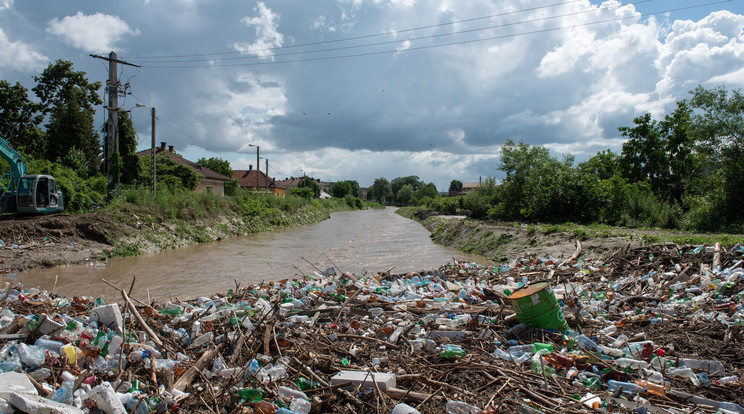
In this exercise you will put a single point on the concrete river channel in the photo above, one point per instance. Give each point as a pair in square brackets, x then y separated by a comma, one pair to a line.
[360, 241]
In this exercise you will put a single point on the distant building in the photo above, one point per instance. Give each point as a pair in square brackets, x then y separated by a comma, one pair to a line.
[293, 182]
[250, 177]
[210, 181]
[466, 188]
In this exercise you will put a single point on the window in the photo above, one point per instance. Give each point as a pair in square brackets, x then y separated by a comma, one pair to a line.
[210, 189]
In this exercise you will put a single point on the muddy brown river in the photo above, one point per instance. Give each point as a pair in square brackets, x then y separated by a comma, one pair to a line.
[358, 242]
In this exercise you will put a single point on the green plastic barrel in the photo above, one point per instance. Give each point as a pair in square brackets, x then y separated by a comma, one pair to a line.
[537, 307]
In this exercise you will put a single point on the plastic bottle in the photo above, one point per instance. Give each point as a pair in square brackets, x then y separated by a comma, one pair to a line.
[301, 406]
[289, 393]
[711, 367]
[652, 388]
[31, 355]
[452, 351]
[586, 343]
[250, 394]
[64, 393]
[404, 408]
[264, 407]
[632, 363]
[627, 387]
[49, 345]
[460, 407]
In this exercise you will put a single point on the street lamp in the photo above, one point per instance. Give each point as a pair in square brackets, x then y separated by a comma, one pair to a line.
[152, 150]
[258, 165]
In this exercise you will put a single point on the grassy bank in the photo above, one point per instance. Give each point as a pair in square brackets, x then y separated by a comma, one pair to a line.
[501, 242]
[148, 223]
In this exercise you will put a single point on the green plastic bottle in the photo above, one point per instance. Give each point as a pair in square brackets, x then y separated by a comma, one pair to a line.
[452, 351]
[250, 394]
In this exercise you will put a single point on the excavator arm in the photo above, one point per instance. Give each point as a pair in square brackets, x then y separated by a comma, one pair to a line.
[15, 161]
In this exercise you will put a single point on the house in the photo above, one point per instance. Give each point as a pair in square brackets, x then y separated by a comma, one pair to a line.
[249, 178]
[210, 181]
[293, 182]
[466, 188]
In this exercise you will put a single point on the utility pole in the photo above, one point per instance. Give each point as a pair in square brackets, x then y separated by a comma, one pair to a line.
[114, 88]
[153, 150]
[267, 176]
[258, 166]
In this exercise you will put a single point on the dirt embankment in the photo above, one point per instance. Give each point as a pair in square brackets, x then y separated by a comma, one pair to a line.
[54, 240]
[503, 242]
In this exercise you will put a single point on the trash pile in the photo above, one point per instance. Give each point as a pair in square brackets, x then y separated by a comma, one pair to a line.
[656, 329]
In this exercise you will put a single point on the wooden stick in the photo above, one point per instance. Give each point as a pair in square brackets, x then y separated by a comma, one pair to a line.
[574, 256]
[55, 284]
[334, 264]
[401, 394]
[141, 321]
[118, 288]
[186, 379]
[311, 264]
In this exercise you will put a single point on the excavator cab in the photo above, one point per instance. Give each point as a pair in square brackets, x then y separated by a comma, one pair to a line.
[38, 194]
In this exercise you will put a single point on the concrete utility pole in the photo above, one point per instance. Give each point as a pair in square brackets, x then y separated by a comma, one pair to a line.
[258, 166]
[153, 150]
[114, 88]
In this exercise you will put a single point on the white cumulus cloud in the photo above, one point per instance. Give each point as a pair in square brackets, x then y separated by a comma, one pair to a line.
[93, 33]
[267, 35]
[18, 56]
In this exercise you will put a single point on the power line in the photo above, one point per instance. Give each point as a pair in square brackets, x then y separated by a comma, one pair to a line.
[212, 65]
[411, 39]
[368, 36]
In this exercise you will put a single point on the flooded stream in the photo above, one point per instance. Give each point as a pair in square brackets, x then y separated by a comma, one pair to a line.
[358, 241]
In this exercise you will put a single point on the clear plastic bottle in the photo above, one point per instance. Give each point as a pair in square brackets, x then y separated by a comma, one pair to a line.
[302, 406]
[627, 387]
[49, 345]
[404, 408]
[460, 407]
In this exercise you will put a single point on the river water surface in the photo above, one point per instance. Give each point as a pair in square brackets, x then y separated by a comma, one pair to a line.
[357, 242]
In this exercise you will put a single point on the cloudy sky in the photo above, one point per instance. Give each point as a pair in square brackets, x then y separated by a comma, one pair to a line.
[361, 89]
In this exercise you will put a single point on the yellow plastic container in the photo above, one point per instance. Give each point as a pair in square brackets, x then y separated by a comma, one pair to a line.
[71, 352]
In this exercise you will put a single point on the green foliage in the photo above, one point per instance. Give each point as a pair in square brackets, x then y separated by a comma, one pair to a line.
[59, 82]
[175, 176]
[231, 187]
[80, 194]
[398, 183]
[71, 126]
[404, 195]
[131, 166]
[455, 185]
[381, 190]
[343, 188]
[217, 165]
[307, 182]
[446, 205]
[20, 120]
[353, 202]
[303, 192]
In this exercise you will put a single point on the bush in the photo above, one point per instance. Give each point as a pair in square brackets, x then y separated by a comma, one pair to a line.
[304, 192]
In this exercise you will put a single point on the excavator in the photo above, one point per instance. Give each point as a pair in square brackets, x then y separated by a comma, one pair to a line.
[28, 193]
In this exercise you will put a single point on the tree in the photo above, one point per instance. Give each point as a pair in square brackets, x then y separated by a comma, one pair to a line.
[57, 84]
[71, 126]
[341, 188]
[427, 191]
[405, 195]
[719, 128]
[217, 165]
[603, 166]
[455, 185]
[20, 120]
[399, 182]
[381, 190]
[660, 153]
[130, 162]
[307, 182]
